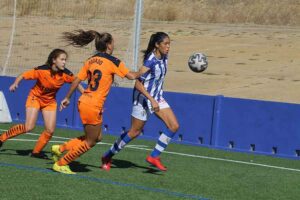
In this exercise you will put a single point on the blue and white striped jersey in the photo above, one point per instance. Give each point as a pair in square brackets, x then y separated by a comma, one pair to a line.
[152, 80]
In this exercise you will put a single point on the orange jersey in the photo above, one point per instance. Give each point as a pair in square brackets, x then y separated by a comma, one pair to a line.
[100, 70]
[47, 84]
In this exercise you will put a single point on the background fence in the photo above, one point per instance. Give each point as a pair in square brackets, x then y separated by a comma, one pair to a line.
[251, 45]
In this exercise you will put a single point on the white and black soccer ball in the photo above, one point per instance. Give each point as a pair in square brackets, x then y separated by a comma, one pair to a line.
[198, 62]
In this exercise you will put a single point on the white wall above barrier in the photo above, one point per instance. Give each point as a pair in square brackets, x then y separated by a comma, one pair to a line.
[5, 116]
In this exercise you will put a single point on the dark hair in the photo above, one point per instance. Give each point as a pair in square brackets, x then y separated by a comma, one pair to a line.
[155, 38]
[53, 55]
[80, 38]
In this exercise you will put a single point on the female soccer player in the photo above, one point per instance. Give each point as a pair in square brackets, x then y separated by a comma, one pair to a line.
[99, 70]
[148, 98]
[50, 78]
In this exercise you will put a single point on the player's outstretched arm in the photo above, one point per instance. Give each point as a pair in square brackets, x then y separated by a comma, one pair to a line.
[66, 101]
[80, 88]
[134, 75]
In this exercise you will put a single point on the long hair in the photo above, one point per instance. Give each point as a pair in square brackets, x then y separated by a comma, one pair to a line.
[155, 38]
[53, 55]
[80, 38]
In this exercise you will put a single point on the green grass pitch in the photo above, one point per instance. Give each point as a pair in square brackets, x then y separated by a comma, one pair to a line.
[193, 173]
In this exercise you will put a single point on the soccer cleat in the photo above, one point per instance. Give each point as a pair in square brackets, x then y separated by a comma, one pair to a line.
[65, 169]
[1, 143]
[55, 152]
[106, 163]
[39, 155]
[156, 163]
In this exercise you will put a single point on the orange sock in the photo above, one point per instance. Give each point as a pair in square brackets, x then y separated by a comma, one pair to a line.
[67, 146]
[74, 153]
[13, 132]
[42, 142]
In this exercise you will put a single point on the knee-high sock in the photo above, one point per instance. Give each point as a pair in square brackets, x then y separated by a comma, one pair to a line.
[69, 144]
[162, 143]
[42, 142]
[13, 132]
[74, 153]
[118, 145]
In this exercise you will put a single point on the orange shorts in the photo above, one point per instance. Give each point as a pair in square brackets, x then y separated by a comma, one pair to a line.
[34, 102]
[90, 114]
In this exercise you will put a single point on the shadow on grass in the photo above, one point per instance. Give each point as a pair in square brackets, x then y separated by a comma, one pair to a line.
[81, 167]
[25, 152]
[76, 166]
[116, 163]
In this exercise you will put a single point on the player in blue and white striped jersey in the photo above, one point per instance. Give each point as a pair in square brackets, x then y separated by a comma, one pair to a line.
[148, 99]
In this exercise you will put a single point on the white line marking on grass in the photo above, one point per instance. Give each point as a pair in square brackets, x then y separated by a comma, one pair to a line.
[234, 161]
[52, 136]
[136, 146]
[61, 141]
[53, 141]
[65, 138]
[28, 140]
[180, 154]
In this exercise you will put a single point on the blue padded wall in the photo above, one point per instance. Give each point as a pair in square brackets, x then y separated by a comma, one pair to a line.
[270, 128]
[261, 126]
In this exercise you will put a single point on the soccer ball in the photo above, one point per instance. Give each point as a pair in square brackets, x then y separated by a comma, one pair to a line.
[198, 62]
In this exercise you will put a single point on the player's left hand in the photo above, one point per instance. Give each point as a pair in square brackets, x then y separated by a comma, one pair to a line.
[13, 87]
[155, 106]
[64, 103]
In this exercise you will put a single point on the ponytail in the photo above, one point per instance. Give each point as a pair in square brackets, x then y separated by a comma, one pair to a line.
[81, 38]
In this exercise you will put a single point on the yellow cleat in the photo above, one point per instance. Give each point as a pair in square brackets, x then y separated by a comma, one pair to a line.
[62, 169]
[55, 152]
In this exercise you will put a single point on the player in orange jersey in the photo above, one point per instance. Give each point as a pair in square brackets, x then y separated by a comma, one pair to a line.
[99, 70]
[50, 78]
